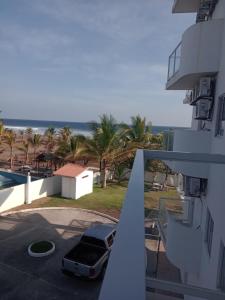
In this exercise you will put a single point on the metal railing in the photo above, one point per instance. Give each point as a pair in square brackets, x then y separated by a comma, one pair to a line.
[174, 62]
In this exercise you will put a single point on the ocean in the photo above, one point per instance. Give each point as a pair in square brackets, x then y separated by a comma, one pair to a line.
[40, 126]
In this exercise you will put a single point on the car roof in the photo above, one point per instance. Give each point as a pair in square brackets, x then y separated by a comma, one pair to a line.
[100, 231]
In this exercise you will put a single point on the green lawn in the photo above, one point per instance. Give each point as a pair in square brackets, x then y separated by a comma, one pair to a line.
[108, 200]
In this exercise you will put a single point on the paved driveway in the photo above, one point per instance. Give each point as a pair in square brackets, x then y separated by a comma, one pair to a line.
[24, 277]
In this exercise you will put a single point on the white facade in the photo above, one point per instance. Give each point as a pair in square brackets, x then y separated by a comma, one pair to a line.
[76, 187]
[204, 44]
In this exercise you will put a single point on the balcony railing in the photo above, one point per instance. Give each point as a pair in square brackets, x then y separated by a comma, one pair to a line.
[125, 276]
[168, 137]
[174, 62]
[182, 210]
[190, 60]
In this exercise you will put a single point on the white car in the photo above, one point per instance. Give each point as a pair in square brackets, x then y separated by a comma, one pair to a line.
[90, 256]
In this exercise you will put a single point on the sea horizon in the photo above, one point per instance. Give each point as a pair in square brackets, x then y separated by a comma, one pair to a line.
[40, 126]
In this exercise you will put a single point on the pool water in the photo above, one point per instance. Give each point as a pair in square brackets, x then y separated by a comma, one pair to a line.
[11, 179]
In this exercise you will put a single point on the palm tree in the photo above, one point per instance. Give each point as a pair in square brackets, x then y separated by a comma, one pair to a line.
[65, 134]
[21, 132]
[10, 140]
[2, 129]
[50, 134]
[139, 136]
[106, 145]
[73, 149]
[139, 131]
[76, 147]
[25, 147]
[35, 142]
[29, 132]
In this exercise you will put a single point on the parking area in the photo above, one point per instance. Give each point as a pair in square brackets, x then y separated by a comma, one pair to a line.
[25, 277]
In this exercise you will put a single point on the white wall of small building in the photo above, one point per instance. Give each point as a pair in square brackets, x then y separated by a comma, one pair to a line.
[84, 184]
[76, 187]
[68, 187]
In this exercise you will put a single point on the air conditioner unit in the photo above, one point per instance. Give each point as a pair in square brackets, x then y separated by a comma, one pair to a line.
[203, 109]
[205, 87]
[194, 187]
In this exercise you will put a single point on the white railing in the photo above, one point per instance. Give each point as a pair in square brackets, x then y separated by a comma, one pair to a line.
[125, 276]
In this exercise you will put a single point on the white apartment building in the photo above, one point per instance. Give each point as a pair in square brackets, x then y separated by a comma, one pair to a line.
[195, 239]
[198, 65]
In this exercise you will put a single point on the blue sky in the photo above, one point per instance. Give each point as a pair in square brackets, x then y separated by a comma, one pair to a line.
[77, 59]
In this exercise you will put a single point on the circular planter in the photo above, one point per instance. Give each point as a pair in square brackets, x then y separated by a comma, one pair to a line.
[41, 248]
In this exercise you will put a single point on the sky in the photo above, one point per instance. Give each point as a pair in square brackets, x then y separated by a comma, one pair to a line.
[73, 60]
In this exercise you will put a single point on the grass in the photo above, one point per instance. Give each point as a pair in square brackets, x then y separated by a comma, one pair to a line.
[152, 200]
[108, 200]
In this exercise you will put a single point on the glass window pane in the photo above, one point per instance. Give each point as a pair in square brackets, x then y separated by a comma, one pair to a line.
[209, 232]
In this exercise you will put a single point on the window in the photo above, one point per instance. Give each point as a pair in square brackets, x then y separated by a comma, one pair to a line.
[221, 281]
[93, 241]
[85, 176]
[219, 130]
[209, 231]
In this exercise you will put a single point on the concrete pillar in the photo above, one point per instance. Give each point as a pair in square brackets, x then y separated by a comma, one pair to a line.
[27, 192]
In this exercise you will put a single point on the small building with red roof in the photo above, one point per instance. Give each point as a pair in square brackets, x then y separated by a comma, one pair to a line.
[77, 180]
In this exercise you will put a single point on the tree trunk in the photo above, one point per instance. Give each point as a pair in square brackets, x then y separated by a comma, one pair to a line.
[26, 158]
[103, 173]
[35, 161]
[103, 178]
[11, 158]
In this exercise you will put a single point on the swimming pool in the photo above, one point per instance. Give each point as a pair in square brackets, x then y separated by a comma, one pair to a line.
[8, 179]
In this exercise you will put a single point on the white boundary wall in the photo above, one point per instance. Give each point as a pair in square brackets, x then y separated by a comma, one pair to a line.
[44, 187]
[12, 197]
[15, 196]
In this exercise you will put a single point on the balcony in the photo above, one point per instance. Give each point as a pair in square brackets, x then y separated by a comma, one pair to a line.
[182, 241]
[125, 277]
[186, 140]
[185, 6]
[197, 55]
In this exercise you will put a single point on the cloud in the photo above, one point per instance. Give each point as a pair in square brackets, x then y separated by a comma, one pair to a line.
[88, 56]
[41, 43]
[124, 20]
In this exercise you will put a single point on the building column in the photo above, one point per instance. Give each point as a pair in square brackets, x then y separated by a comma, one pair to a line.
[27, 191]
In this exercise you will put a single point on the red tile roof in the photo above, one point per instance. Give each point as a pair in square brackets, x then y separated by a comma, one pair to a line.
[70, 170]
